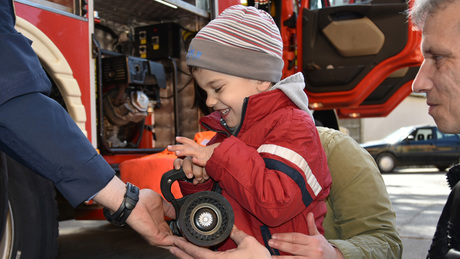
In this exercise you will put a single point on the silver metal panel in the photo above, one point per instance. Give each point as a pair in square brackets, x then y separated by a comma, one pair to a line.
[145, 11]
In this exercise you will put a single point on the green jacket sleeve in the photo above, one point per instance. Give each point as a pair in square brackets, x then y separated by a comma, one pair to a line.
[360, 220]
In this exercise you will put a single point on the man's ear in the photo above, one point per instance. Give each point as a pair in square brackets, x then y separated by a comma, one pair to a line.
[263, 86]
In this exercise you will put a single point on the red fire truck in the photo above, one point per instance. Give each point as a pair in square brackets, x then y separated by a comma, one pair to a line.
[118, 67]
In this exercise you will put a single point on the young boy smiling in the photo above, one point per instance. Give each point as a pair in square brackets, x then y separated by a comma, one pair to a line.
[266, 156]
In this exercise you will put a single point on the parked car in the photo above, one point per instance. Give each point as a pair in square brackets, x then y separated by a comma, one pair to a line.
[415, 146]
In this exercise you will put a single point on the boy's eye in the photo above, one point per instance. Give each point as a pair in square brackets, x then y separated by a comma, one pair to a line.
[217, 89]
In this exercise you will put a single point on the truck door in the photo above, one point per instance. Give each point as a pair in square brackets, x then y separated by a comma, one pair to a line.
[358, 58]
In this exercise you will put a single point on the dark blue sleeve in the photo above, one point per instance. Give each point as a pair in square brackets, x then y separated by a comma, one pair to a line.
[20, 68]
[36, 131]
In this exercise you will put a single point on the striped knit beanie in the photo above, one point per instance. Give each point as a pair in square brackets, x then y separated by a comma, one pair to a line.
[242, 41]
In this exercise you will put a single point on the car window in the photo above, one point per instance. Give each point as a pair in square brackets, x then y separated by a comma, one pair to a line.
[447, 136]
[443, 136]
[398, 135]
[423, 134]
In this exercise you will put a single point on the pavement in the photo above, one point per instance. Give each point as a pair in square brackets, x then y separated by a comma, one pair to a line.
[101, 240]
[418, 197]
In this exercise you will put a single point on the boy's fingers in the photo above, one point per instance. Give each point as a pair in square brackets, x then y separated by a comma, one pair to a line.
[178, 163]
[186, 141]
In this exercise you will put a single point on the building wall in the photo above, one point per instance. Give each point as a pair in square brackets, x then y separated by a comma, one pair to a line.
[351, 127]
[412, 111]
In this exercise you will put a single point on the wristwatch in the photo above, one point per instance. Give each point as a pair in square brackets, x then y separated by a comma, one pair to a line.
[129, 203]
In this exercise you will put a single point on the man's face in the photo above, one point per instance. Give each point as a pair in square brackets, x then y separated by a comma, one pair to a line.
[439, 75]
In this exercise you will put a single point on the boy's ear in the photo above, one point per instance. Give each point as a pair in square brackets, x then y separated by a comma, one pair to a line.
[263, 86]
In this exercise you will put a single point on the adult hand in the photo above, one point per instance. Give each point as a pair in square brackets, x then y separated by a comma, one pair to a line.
[300, 245]
[147, 218]
[248, 247]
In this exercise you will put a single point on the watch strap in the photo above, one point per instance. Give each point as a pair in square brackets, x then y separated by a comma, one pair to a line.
[129, 203]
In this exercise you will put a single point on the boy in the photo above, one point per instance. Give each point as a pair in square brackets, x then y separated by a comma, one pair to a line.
[266, 156]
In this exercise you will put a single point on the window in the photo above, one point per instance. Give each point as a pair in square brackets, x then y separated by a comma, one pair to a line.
[422, 134]
[443, 136]
[448, 136]
[69, 6]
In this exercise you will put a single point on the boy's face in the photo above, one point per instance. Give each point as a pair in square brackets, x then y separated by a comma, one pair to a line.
[226, 93]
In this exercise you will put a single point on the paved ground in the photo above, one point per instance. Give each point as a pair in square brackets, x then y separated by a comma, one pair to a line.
[98, 240]
[418, 196]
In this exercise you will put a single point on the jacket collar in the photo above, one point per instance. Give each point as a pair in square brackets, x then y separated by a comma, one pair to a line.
[255, 108]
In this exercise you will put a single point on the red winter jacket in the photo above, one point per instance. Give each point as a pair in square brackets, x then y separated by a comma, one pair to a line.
[273, 170]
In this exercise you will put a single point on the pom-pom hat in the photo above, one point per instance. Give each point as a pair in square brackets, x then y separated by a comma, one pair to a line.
[242, 41]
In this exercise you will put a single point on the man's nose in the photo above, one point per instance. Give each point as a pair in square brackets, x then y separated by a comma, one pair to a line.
[423, 81]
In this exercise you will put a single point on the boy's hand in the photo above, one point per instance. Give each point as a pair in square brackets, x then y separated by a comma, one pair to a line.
[198, 173]
[196, 157]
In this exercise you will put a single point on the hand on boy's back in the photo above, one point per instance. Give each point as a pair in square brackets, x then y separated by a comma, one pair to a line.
[313, 245]
[195, 158]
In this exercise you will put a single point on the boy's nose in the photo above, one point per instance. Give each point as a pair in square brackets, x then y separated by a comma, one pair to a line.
[210, 101]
